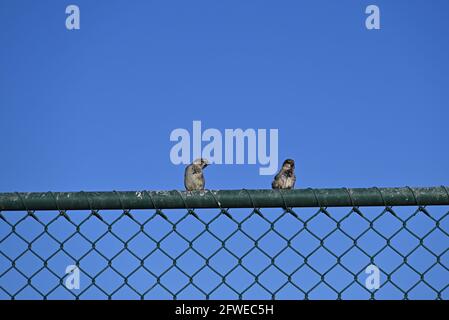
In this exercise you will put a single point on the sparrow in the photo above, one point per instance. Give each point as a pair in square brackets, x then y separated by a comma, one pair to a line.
[193, 177]
[286, 178]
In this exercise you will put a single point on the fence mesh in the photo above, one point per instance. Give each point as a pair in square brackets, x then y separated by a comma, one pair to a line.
[269, 253]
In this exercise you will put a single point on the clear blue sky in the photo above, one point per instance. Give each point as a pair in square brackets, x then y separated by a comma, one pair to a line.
[93, 109]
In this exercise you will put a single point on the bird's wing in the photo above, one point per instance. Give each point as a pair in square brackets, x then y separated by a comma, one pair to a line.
[275, 183]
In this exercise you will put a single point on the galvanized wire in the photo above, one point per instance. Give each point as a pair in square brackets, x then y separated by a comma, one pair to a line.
[268, 253]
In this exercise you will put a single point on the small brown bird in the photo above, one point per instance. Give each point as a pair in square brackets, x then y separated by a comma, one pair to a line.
[286, 178]
[193, 177]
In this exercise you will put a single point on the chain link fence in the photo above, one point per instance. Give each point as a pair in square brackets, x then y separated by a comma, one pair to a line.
[242, 244]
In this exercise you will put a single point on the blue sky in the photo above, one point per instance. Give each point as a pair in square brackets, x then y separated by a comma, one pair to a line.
[93, 109]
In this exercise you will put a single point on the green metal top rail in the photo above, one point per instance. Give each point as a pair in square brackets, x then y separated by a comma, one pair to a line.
[342, 197]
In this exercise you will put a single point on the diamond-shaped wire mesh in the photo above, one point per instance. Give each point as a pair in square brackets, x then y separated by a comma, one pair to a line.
[300, 253]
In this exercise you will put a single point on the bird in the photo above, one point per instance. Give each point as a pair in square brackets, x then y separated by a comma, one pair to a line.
[194, 177]
[286, 178]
